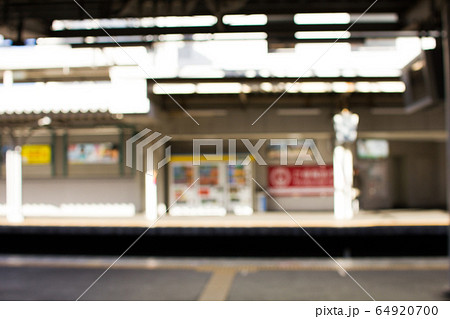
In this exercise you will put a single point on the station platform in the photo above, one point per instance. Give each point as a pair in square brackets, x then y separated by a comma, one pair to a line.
[270, 234]
[379, 219]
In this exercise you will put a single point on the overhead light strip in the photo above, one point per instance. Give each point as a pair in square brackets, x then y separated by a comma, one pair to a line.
[267, 87]
[244, 19]
[343, 18]
[149, 22]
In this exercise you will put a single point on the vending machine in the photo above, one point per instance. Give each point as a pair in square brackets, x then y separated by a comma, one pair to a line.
[219, 188]
[181, 196]
[211, 188]
[240, 192]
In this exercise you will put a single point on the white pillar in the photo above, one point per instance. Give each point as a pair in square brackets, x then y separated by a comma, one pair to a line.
[343, 182]
[8, 78]
[14, 212]
[151, 197]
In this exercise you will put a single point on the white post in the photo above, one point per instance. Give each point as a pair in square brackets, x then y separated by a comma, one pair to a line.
[343, 182]
[151, 198]
[345, 126]
[8, 78]
[14, 212]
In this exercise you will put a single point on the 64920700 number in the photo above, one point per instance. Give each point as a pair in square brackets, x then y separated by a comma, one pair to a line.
[407, 310]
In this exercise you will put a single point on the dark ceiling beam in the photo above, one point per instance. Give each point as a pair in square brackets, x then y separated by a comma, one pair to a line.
[263, 100]
[312, 6]
[48, 10]
[270, 79]
[286, 27]
[284, 40]
[67, 9]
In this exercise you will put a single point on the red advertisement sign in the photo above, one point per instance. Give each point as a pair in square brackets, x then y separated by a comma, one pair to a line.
[301, 180]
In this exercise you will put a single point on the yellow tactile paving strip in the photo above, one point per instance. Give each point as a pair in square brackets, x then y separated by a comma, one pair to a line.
[219, 285]
[272, 219]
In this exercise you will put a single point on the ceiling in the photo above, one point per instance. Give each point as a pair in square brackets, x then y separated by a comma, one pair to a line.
[21, 19]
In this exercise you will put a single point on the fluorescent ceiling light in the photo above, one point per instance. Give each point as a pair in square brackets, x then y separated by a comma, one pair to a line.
[392, 86]
[343, 87]
[202, 36]
[321, 18]
[55, 41]
[89, 24]
[250, 73]
[374, 18]
[245, 19]
[246, 88]
[179, 88]
[89, 40]
[428, 43]
[363, 87]
[266, 86]
[57, 25]
[171, 37]
[161, 22]
[194, 21]
[201, 88]
[219, 88]
[343, 18]
[229, 36]
[322, 35]
[315, 87]
[240, 36]
[304, 87]
[374, 87]
[200, 71]
[293, 87]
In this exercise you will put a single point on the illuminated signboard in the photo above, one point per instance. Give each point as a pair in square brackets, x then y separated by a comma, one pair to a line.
[36, 154]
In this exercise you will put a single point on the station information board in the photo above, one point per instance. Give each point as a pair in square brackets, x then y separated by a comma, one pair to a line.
[314, 180]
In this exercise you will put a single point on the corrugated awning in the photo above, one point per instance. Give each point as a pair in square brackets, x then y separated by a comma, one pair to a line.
[66, 120]
[122, 97]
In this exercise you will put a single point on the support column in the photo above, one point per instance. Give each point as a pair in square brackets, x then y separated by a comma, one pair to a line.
[14, 212]
[345, 125]
[151, 196]
[446, 57]
[343, 182]
[150, 189]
